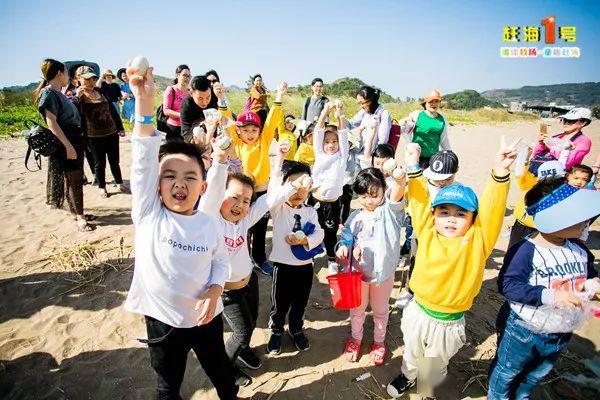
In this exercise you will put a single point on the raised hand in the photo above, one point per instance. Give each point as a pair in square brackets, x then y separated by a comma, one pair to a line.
[506, 156]
[219, 90]
[282, 87]
[412, 152]
[142, 86]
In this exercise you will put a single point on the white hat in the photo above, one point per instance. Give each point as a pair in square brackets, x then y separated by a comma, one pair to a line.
[551, 169]
[578, 113]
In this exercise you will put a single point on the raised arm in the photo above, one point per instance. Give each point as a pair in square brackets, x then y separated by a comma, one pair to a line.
[216, 179]
[420, 203]
[275, 114]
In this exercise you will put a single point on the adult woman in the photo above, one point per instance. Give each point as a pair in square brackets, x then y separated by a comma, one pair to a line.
[430, 127]
[172, 99]
[314, 104]
[258, 98]
[127, 111]
[110, 89]
[102, 127]
[63, 120]
[191, 111]
[213, 77]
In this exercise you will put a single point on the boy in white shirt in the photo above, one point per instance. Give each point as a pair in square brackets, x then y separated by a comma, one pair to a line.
[292, 257]
[180, 264]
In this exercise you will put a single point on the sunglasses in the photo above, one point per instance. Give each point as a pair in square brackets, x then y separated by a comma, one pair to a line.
[570, 121]
[186, 75]
[213, 80]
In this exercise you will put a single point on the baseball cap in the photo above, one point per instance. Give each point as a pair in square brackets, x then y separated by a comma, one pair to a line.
[442, 165]
[578, 113]
[457, 194]
[564, 207]
[248, 118]
[551, 169]
[85, 72]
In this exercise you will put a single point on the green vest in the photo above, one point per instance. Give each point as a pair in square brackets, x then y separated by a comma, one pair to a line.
[428, 133]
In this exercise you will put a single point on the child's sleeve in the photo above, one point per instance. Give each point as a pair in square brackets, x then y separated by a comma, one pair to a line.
[235, 139]
[220, 260]
[513, 280]
[527, 180]
[344, 143]
[420, 203]
[276, 196]
[271, 123]
[144, 177]
[492, 207]
[355, 121]
[318, 138]
[216, 179]
[315, 238]
[385, 124]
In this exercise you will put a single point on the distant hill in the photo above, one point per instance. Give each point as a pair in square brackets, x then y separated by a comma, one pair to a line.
[468, 100]
[343, 87]
[21, 89]
[580, 94]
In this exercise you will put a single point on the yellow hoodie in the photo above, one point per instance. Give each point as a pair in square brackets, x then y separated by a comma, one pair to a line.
[526, 182]
[448, 272]
[255, 156]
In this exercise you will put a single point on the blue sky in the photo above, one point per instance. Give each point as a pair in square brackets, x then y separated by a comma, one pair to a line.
[404, 47]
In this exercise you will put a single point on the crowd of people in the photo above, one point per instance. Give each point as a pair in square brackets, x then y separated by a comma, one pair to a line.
[204, 190]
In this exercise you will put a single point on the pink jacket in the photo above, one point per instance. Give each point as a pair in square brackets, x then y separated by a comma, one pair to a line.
[172, 101]
[582, 145]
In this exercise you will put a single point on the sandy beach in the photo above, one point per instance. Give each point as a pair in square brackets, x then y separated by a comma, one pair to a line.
[65, 335]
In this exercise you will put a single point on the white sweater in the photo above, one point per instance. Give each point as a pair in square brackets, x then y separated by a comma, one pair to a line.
[329, 169]
[234, 234]
[177, 257]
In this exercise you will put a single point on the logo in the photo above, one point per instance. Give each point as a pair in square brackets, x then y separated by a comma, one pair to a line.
[534, 34]
[437, 166]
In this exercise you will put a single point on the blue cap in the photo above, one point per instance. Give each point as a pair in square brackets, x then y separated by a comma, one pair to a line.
[457, 194]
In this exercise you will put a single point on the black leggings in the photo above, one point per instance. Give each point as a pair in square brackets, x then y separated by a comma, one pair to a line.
[102, 148]
[240, 312]
[257, 236]
[345, 201]
[329, 219]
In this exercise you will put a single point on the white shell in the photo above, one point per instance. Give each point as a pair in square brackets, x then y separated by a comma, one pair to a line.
[299, 235]
[142, 65]
[389, 165]
[224, 142]
[197, 131]
[398, 173]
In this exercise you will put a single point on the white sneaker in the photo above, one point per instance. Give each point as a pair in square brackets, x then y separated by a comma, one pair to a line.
[403, 300]
[332, 266]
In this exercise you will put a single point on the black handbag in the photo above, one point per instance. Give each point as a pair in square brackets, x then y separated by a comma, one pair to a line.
[41, 141]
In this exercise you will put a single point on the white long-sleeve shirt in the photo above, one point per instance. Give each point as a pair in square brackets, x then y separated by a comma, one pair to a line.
[235, 233]
[329, 169]
[177, 257]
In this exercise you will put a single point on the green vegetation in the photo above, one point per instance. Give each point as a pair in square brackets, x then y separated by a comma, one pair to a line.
[468, 100]
[581, 94]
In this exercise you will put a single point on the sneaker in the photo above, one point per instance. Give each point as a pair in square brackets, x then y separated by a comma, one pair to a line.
[399, 386]
[265, 268]
[123, 188]
[241, 379]
[403, 300]
[249, 359]
[352, 350]
[274, 345]
[300, 340]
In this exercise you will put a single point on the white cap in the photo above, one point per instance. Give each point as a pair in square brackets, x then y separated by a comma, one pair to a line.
[551, 169]
[578, 113]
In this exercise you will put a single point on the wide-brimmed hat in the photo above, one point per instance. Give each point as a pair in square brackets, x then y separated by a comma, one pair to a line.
[85, 72]
[564, 207]
[107, 72]
[433, 94]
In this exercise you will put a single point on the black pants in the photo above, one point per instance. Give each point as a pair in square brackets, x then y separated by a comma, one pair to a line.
[345, 201]
[173, 133]
[518, 232]
[102, 148]
[170, 346]
[290, 291]
[329, 213]
[257, 236]
[241, 312]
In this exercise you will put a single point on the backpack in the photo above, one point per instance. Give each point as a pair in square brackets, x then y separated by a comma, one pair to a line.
[161, 118]
[41, 142]
[395, 132]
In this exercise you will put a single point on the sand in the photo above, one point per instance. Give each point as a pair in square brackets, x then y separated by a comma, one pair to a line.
[81, 344]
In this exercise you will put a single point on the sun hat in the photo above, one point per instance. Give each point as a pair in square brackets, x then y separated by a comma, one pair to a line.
[457, 194]
[577, 114]
[107, 72]
[433, 94]
[85, 72]
[442, 166]
[564, 207]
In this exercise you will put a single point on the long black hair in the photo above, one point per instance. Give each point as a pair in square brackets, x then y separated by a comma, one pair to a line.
[371, 95]
[178, 71]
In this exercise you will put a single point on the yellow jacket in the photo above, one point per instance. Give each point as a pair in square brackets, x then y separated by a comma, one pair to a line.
[255, 156]
[305, 154]
[448, 272]
[526, 182]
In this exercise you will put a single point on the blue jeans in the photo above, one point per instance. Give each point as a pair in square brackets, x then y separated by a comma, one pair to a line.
[522, 360]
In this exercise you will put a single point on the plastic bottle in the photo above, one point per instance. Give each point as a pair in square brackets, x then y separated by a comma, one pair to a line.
[552, 319]
[522, 154]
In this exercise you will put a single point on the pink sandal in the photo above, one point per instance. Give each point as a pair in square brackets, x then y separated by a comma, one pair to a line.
[378, 353]
[351, 350]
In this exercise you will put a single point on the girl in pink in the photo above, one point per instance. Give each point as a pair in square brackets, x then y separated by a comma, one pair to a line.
[371, 238]
[172, 99]
[569, 147]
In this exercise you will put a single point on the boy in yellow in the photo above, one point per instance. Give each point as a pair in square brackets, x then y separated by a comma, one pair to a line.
[456, 235]
[285, 132]
[252, 147]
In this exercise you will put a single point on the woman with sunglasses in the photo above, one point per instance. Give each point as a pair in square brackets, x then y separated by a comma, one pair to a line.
[172, 99]
[571, 146]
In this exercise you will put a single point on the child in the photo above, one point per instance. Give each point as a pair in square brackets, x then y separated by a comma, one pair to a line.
[292, 277]
[440, 173]
[305, 152]
[549, 269]
[331, 154]
[180, 265]
[285, 131]
[456, 236]
[228, 198]
[579, 176]
[381, 154]
[370, 239]
[252, 146]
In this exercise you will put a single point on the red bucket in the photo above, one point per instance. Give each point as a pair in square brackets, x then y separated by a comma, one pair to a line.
[345, 290]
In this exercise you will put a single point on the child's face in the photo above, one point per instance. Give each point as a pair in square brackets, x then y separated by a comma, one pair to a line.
[572, 232]
[309, 138]
[249, 133]
[297, 199]
[331, 144]
[180, 183]
[445, 182]
[289, 124]
[579, 179]
[451, 220]
[372, 199]
[237, 201]
[378, 163]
